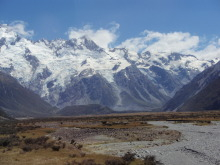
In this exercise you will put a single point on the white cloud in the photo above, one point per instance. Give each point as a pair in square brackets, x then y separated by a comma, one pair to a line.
[19, 28]
[162, 42]
[172, 42]
[180, 42]
[102, 37]
[210, 52]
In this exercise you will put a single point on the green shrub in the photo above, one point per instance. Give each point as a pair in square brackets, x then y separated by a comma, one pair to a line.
[40, 140]
[72, 141]
[72, 155]
[84, 162]
[79, 146]
[115, 162]
[12, 140]
[27, 148]
[88, 162]
[55, 148]
[128, 157]
[151, 160]
[4, 142]
[82, 154]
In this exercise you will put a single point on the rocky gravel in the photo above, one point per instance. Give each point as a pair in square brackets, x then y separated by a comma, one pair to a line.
[172, 144]
[93, 135]
[200, 145]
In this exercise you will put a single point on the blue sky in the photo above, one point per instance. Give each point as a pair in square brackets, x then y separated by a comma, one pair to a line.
[51, 18]
[185, 26]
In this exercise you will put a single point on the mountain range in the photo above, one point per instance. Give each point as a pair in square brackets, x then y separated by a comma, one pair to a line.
[79, 72]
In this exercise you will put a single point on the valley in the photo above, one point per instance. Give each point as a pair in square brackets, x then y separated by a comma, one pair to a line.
[161, 138]
[109, 82]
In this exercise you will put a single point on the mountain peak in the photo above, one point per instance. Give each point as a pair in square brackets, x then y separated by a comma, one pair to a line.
[90, 44]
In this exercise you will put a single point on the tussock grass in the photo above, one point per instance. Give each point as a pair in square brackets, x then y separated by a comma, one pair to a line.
[36, 132]
[48, 157]
[110, 125]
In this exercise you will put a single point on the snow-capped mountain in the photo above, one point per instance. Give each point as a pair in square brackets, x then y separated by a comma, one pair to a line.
[78, 72]
[202, 93]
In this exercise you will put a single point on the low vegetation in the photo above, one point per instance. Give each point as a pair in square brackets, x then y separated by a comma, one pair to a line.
[29, 142]
[151, 160]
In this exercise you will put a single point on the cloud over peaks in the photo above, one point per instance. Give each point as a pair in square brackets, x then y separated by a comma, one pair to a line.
[19, 28]
[180, 42]
[211, 51]
[155, 42]
[162, 42]
[102, 37]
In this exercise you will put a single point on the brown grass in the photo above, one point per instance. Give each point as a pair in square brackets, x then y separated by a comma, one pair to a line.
[36, 132]
[49, 157]
[111, 125]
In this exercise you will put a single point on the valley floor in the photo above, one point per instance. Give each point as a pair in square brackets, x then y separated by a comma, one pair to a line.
[184, 138]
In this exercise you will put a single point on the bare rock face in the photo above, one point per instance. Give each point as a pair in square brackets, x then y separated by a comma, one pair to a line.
[137, 89]
[89, 90]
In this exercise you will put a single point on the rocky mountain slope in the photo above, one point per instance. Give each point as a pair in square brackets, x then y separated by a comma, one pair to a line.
[18, 101]
[4, 116]
[202, 93]
[79, 72]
